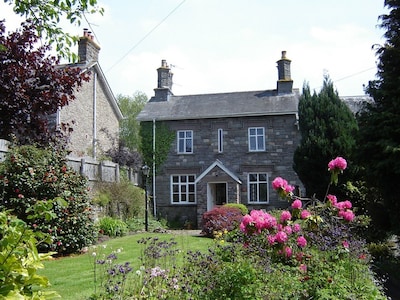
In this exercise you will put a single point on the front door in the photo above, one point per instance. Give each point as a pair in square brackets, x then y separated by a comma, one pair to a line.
[216, 194]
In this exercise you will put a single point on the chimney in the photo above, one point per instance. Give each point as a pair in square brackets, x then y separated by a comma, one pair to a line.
[88, 50]
[285, 82]
[164, 82]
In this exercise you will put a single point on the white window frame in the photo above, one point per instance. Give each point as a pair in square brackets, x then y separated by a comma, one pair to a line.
[220, 140]
[257, 135]
[183, 188]
[185, 140]
[253, 187]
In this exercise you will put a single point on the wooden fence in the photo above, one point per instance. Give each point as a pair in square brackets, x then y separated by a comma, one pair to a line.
[95, 171]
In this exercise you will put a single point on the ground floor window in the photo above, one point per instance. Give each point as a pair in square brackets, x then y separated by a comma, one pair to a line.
[183, 189]
[258, 188]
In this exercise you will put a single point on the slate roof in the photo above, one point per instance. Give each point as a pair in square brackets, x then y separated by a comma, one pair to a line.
[356, 103]
[220, 105]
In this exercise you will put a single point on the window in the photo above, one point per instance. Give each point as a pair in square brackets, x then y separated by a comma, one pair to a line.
[220, 140]
[185, 141]
[183, 189]
[258, 188]
[256, 139]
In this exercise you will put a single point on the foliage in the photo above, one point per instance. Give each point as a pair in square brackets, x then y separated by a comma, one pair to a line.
[379, 123]
[112, 227]
[46, 15]
[120, 200]
[32, 86]
[164, 138]
[223, 218]
[243, 208]
[20, 260]
[129, 126]
[32, 175]
[327, 128]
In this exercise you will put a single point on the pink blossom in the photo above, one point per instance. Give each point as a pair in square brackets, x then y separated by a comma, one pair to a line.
[297, 204]
[345, 244]
[344, 205]
[279, 183]
[288, 251]
[339, 163]
[281, 237]
[296, 227]
[332, 199]
[303, 268]
[348, 215]
[288, 188]
[285, 216]
[271, 239]
[305, 214]
[288, 230]
[301, 241]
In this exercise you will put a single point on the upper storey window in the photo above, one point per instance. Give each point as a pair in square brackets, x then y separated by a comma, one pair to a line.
[185, 141]
[256, 139]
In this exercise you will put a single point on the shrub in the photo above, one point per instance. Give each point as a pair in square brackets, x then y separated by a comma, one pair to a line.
[221, 219]
[243, 208]
[121, 200]
[112, 227]
[20, 261]
[30, 175]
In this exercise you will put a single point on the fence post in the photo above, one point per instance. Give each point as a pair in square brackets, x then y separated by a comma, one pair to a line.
[116, 172]
[82, 167]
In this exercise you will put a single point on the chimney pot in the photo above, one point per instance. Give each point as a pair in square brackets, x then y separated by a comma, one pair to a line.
[283, 54]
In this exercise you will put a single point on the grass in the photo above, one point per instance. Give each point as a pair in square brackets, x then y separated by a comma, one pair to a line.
[73, 277]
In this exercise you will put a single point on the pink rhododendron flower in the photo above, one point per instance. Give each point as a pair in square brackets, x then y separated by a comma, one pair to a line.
[285, 216]
[303, 268]
[288, 230]
[348, 215]
[288, 251]
[339, 163]
[301, 241]
[305, 214]
[345, 244]
[332, 199]
[271, 239]
[278, 183]
[281, 237]
[296, 227]
[297, 204]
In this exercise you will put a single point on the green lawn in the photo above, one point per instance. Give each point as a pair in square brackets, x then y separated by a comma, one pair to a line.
[72, 277]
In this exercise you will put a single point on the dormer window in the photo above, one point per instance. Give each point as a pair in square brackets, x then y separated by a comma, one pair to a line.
[185, 141]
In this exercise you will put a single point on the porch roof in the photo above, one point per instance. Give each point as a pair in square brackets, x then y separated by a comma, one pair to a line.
[220, 165]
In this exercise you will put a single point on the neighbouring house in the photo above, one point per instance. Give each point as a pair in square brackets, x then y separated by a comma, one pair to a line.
[94, 115]
[228, 147]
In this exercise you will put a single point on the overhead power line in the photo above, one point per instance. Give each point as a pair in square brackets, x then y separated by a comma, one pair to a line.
[143, 38]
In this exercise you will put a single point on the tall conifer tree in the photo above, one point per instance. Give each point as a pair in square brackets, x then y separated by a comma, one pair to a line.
[379, 139]
[327, 129]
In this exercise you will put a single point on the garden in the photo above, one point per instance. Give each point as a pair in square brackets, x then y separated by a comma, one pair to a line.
[51, 246]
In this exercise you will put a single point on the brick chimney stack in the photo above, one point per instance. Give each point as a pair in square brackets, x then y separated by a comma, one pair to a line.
[285, 82]
[164, 82]
[88, 50]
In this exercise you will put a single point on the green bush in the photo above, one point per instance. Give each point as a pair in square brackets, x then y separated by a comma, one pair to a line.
[112, 227]
[30, 175]
[243, 208]
[120, 200]
[19, 261]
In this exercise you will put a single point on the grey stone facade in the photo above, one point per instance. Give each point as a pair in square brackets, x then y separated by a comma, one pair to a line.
[223, 176]
[94, 115]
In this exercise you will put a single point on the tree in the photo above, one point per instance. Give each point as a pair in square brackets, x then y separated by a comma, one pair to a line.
[327, 129]
[129, 126]
[379, 136]
[32, 86]
[46, 14]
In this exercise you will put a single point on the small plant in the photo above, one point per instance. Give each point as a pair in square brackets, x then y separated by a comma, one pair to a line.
[221, 219]
[243, 208]
[112, 227]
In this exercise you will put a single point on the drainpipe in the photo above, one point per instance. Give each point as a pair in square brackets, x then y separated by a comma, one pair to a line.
[94, 142]
[154, 169]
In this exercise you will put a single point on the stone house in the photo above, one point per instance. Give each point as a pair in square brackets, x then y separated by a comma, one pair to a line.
[94, 115]
[228, 147]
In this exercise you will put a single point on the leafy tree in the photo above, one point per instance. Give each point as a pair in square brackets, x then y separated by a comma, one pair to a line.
[327, 129]
[32, 85]
[379, 136]
[129, 126]
[46, 14]
[31, 176]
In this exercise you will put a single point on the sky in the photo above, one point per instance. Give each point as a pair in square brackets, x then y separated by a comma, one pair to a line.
[216, 46]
